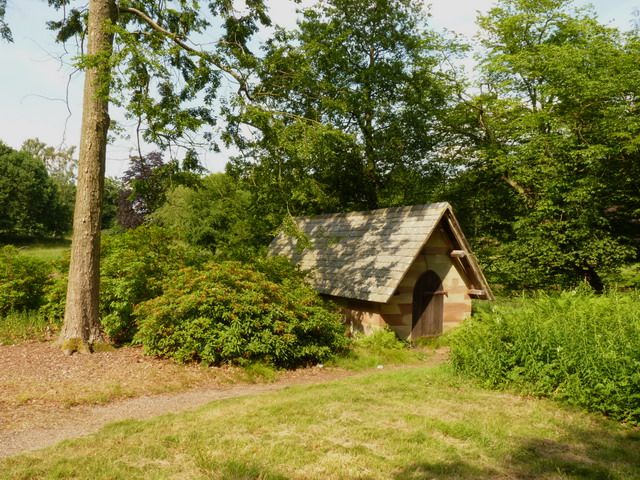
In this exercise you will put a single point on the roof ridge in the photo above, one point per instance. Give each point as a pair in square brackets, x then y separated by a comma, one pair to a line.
[423, 206]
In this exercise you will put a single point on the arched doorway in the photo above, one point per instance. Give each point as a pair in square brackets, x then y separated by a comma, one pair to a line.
[428, 306]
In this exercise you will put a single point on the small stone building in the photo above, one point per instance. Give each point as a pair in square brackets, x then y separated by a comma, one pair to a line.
[409, 268]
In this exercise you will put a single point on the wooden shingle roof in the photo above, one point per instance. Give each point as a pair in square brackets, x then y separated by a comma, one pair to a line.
[365, 255]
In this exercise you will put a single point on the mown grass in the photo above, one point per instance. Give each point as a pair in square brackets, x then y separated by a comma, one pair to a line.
[46, 253]
[17, 327]
[414, 423]
[47, 249]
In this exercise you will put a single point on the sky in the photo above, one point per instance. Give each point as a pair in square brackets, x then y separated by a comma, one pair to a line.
[41, 96]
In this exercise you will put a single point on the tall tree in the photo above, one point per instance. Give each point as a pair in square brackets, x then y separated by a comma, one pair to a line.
[557, 124]
[360, 89]
[217, 214]
[62, 167]
[81, 328]
[147, 182]
[152, 48]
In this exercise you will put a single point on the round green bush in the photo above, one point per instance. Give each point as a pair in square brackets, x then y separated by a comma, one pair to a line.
[22, 280]
[229, 313]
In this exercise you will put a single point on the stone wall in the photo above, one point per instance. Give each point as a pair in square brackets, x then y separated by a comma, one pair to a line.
[397, 313]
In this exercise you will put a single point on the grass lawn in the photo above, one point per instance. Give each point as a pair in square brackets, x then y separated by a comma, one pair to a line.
[50, 250]
[414, 423]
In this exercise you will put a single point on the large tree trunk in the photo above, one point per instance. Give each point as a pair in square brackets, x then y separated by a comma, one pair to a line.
[81, 329]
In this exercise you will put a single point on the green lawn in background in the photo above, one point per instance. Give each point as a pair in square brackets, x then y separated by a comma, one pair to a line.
[51, 250]
[47, 249]
[413, 423]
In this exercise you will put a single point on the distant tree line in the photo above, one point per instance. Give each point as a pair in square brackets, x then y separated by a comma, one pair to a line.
[37, 191]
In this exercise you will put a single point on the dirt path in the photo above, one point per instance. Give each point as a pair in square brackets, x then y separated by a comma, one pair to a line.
[84, 420]
[46, 397]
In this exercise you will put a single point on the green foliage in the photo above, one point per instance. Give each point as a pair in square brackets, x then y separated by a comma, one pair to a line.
[216, 214]
[259, 373]
[55, 294]
[347, 113]
[110, 201]
[134, 266]
[28, 325]
[22, 280]
[147, 182]
[278, 269]
[626, 278]
[379, 341]
[228, 313]
[552, 148]
[62, 168]
[381, 348]
[580, 348]
[29, 199]
[166, 78]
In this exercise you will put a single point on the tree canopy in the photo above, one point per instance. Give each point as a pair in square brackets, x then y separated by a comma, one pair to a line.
[556, 123]
[29, 199]
[347, 109]
[358, 107]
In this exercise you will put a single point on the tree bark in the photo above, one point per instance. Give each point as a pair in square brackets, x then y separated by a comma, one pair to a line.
[81, 329]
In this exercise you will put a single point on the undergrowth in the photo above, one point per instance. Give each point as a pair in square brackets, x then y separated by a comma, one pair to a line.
[380, 348]
[16, 327]
[229, 313]
[580, 348]
[22, 280]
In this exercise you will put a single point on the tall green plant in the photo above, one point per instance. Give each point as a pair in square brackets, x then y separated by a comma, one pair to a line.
[22, 280]
[30, 203]
[360, 92]
[583, 349]
[217, 214]
[135, 265]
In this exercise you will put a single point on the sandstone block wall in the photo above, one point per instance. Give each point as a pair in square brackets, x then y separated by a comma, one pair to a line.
[397, 313]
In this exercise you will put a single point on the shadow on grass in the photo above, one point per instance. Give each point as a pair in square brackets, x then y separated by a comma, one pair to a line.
[236, 470]
[584, 454]
[27, 241]
[437, 470]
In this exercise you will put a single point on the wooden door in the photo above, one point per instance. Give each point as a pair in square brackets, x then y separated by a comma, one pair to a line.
[428, 306]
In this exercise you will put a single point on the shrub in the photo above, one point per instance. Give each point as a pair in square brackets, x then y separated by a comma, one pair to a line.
[134, 265]
[228, 313]
[278, 269]
[55, 293]
[22, 326]
[217, 214]
[133, 268]
[22, 280]
[580, 348]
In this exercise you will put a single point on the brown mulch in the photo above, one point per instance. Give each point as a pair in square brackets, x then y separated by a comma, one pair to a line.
[47, 396]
